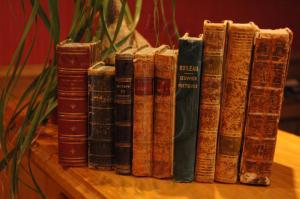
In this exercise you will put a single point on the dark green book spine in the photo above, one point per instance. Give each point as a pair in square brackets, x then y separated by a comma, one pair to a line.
[187, 106]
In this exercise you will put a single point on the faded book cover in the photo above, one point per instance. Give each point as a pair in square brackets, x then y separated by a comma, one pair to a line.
[214, 40]
[187, 107]
[73, 61]
[233, 104]
[100, 117]
[164, 113]
[143, 112]
[124, 110]
[269, 70]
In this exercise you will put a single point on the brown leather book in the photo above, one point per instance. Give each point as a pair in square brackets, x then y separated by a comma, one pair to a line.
[101, 118]
[236, 72]
[143, 111]
[73, 61]
[214, 38]
[164, 113]
[269, 70]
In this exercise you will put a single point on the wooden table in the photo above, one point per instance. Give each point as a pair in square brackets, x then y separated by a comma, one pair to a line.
[58, 182]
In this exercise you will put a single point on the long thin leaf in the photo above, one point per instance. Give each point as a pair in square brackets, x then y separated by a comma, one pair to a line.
[174, 19]
[16, 57]
[6, 159]
[138, 8]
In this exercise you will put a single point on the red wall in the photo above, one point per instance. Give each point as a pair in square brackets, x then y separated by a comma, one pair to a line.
[189, 16]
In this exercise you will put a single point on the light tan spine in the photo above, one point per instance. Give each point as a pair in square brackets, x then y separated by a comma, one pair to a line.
[164, 113]
[214, 38]
[240, 44]
[143, 111]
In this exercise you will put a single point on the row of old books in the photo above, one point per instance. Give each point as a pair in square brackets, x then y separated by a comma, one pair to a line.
[207, 112]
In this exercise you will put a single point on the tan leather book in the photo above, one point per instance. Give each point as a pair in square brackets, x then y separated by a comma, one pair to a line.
[214, 38]
[164, 113]
[236, 72]
[143, 111]
[269, 70]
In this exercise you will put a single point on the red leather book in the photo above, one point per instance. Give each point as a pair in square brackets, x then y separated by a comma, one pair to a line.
[73, 61]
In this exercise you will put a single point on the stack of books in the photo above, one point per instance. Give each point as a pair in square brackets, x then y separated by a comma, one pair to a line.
[207, 112]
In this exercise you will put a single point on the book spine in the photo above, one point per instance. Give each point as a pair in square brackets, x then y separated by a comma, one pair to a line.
[240, 44]
[72, 65]
[265, 98]
[143, 115]
[164, 115]
[187, 107]
[123, 114]
[214, 36]
[100, 139]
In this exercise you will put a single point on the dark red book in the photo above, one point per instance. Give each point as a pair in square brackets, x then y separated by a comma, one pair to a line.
[73, 61]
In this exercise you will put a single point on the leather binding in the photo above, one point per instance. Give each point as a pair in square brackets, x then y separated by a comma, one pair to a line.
[269, 70]
[235, 86]
[73, 61]
[214, 38]
[143, 111]
[187, 107]
[164, 113]
[100, 134]
[124, 110]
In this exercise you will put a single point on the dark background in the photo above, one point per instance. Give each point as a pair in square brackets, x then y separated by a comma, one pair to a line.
[189, 17]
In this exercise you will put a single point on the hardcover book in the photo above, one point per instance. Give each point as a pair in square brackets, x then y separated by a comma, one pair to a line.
[269, 70]
[214, 38]
[187, 107]
[100, 139]
[124, 110]
[143, 111]
[164, 113]
[238, 58]
[73, 61]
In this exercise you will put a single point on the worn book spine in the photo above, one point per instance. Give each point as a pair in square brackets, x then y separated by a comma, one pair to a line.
[238, 58]
[214, 38]
[269, 70]
[123, 112]
[100, 138]
[143, 115]
[73, 61]
[142, 160]
[164, 113]
[187, 107]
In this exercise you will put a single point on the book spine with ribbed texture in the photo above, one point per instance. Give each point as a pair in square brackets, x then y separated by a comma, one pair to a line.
[73, 61]
[164, 113]
[269, 70]
[214, 38]
[143, 115]
[123, 112]
[100, 134]
[233, 105]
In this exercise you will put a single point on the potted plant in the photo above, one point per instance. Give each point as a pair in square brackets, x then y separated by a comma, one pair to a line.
[109, 21]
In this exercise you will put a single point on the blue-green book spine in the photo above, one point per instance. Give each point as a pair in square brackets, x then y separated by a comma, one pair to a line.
[187, 107]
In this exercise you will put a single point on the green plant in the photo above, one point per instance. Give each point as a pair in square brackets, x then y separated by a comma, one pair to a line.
[39, 99]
